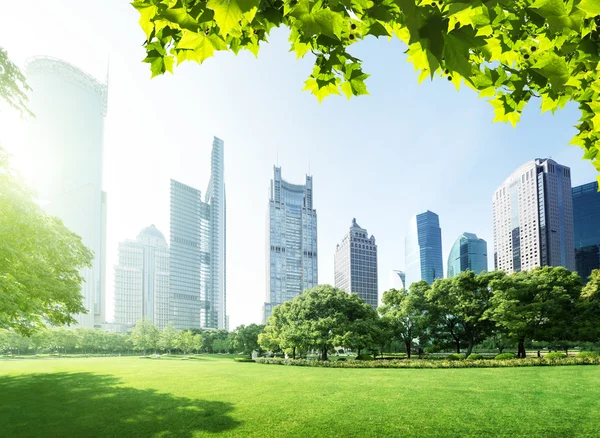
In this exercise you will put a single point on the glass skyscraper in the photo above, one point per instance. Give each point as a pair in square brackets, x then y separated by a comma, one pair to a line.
[291, 241]
[66, 137]
[533, 218]
[142, 279]
[469, 252]
[423, 249]
[586, 224]
[197, 261]
[355, 264]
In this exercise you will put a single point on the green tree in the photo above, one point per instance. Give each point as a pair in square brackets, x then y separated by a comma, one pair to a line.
[538, 304]
[13, 87]
[40, 261]
[167, 337]
[197, 343]
[145, 336]
[588, 306]
[246, 338]
[184, 341]
[507, 50]
[406, 313]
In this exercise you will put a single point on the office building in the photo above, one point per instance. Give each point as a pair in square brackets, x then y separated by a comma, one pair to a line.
[533, 218]
[355, 264]
[291, 241]
[66, 141]
[586, 225]
[142, 279]
[423, 249]
[469, 253]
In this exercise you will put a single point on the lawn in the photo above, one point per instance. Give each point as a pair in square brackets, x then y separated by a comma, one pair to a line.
[133, 397]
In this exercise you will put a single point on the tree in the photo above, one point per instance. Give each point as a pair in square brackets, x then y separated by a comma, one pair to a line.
[406, 313]
[284, 330]
[167, 337]
[507, 50]
[246, 338]
[40, 261]
[13, 87]
[589, 310]
[145, 336]
[197, 343]
[185, 341]
[538, 304]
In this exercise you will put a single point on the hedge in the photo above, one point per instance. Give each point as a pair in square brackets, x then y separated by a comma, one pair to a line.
[244, 359]
[423, 363]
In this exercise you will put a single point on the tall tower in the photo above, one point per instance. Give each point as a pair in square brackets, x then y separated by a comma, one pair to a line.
[469, 252]
[66, 137]
[142, 279]
[533, 218]
[292, 264]
[586, 224]
[355, 264]
[423, 249]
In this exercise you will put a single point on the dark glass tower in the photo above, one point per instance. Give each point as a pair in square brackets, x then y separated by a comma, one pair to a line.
[469, 252]
[586, 224]
[423, 249]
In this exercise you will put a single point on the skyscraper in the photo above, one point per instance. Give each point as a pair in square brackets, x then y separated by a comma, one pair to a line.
[397, 280]
[198, 257]
[355, 264]
[533, 218]
[586, 224]
[291, 241]
[66, 140]
[469, 252]
[423, 249]
[142, 279]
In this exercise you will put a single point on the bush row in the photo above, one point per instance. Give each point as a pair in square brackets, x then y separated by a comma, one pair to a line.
[244, 359]
[424, 363]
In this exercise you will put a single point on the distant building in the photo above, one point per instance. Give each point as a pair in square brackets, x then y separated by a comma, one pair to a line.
[292, 264]
[198, 257]
[469, 252]
[586, 222]
[142, 279]
[66, 137]
[397, 280]
[355, 264]
[423, 249]
[533, 218]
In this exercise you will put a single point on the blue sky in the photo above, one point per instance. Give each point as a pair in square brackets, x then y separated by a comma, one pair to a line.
[381, 158]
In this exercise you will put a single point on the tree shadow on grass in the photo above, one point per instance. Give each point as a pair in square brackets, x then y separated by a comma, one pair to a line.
[94, 405]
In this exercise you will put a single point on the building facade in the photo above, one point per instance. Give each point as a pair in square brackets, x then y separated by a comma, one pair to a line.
[469, 253]
[586, 224]
[66, 138]
[142, 279]
[292, 262]
[423, 249]
[197, 248]
[397, 280]
[355, 264]
[533, 218]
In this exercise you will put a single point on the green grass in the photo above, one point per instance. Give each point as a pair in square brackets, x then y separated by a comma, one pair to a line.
[132, 397]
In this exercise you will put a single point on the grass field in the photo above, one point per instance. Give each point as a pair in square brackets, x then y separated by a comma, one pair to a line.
[133, 397]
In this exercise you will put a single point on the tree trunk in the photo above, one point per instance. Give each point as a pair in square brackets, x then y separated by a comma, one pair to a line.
[567, 350]
[469, 347]
[294, 352]
[408, 347]
[457, 345]
[324, 353]
[521, 349]
[500, 349]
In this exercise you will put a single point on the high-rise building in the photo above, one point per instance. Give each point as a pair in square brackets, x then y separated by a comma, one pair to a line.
[66, 141]
[533, 218]
[469, 252]
[355, 264]
[586, 224]
[397, 280]
[291, 241]
[197, 261]
[423, 249]
[142, 279]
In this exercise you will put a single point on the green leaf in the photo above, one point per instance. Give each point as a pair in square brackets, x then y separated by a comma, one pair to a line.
[181, 17]
[147, 13]
[554, 68]
[322, 21]
[456, 52]
[550, 8]
[590, 7]
[320, 92]
[197, 47]
[229, 13]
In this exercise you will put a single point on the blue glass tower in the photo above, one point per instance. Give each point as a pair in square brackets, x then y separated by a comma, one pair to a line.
[423, 249]
[586, 224]
[469, 252]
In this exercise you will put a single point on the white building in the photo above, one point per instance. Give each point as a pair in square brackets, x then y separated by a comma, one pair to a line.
[66, 141]
[533, 218]
[142, 279]
[355, 264]
[292, 264]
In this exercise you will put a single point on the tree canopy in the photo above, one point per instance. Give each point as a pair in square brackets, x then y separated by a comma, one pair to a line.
[13, 87]
[507, 50]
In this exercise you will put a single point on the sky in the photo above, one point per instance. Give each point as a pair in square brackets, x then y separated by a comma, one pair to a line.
[381, 159]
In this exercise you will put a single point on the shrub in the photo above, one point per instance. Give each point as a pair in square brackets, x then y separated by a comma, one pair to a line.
[243, 359]
[364, 357]
[475, 356]
[505, 356]
[589, 354]
[555, 355]
[341, 358]
[455, 356]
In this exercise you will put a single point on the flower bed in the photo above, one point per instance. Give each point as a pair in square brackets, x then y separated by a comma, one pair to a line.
[424, 363]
